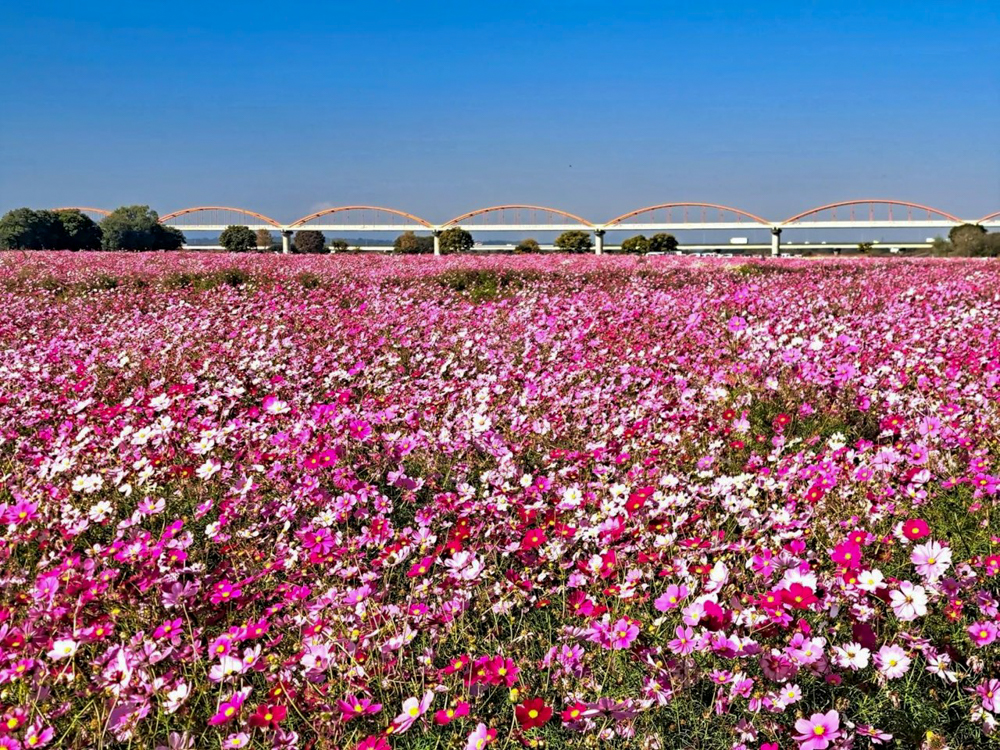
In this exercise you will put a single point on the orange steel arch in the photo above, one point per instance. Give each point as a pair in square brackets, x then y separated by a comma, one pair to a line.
[338, 209]
[647, 209]
[525, 207]
[865, 201]
[195, 209]
[100, 211]
[989, 217]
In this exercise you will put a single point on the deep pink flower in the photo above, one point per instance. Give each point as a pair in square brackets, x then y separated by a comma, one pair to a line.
[818, 731]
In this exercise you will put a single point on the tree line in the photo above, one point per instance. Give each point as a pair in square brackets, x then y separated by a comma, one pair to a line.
[138, 228]
[129, 228]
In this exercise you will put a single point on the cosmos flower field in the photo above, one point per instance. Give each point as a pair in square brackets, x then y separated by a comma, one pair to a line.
[365, 503]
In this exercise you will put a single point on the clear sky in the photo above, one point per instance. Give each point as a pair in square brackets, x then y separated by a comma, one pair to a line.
[440, 107]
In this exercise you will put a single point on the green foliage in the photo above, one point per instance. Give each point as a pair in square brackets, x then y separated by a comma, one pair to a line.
[574, 241]
[137, 228]
[483, 285]
[636, 245]
[661, 242]
[18, 228]
[410, 244]
[339, 246]
[79, 231]
[865, 247]
[238, 239]
[527, 246]
[310, 242]
[456, 240]
[27, 229]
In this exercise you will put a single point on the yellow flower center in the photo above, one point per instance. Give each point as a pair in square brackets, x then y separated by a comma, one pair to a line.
[818, 731]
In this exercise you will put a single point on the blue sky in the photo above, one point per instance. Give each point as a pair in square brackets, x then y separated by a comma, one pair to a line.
[438, 107]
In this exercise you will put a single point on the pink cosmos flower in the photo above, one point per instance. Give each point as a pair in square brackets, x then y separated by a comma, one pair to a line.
[224, 591]
[989, 694]
[818, 731]
[373, 742]
[909, 602]
[229, 709]
[847, 554]
[352, 707]
[447, 715]
[480, 737]
[683, 644]
[413, 709]
[671, 598]
[169, 628]
[982, 633]
[623, 633]
[36, 737]
[892, 661]
[931, 559]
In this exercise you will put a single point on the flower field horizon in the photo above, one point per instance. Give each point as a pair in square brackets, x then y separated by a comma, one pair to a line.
[361, 503]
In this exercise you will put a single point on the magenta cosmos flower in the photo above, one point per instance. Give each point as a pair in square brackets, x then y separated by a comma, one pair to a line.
[818, 731]
[982, 633]
[623, 633]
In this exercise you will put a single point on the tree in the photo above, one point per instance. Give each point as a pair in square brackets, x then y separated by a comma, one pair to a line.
[26, 229]
[663, 243]
[310, 242]
[410, 244]
[17, 229]
[456, 240]
[79, 231]
[527, 246]
[237, 238]
[265, 240]
[638, 245]
[966, 238]
[865, 247]
[574, 241]
[137, 228]
[339, 246]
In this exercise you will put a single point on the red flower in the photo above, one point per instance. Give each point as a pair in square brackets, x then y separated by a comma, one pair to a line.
[532, 713]
[798, 596]
[573, 713]
[268, 716]
[916, 528]
[533, 538]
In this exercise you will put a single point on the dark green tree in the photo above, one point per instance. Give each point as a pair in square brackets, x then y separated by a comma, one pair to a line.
[26, 229]
[19, 229]
[310, 242]
[237, 238]
[410, 244]
[638, 245]
[79, 231]
[456, 240]
[662, 243]
[339, 246]
[265, 240]
[137, 228]
[527, 246]
[574, 241]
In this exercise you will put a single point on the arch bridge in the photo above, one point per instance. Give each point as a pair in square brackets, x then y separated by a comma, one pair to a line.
[865, 213]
